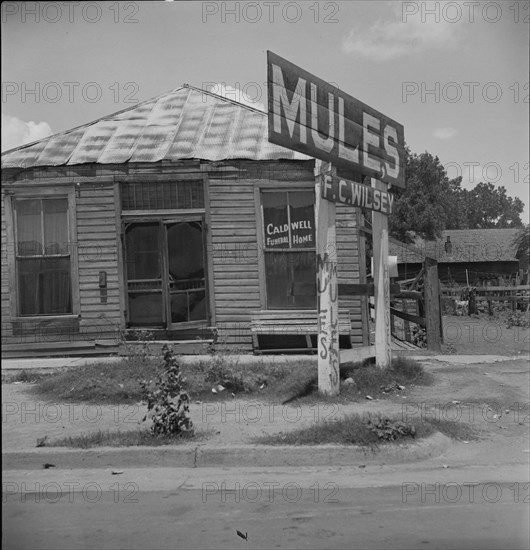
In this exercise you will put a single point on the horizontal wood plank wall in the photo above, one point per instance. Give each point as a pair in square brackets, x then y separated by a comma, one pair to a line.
[7, 328]
[97, 251]
[348, 265]
[234, 259]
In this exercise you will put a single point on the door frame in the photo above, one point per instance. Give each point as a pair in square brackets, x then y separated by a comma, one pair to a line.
[163, 221]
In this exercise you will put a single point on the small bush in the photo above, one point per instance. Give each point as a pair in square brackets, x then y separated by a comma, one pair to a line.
[169, 417]
[390, 430]
[518, 319]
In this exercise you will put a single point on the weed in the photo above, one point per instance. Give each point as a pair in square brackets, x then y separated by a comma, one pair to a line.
[167, 400]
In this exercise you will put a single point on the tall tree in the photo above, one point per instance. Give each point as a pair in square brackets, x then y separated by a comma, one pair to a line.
[431, 202]
[423, 206]
[488, 206]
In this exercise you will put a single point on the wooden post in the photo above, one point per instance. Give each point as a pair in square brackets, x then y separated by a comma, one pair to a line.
[431, 289]
[383, 338]
[406, 324]
[327, 288]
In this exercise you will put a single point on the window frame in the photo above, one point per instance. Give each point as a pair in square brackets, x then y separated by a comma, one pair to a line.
[58, 192]
[262, 249]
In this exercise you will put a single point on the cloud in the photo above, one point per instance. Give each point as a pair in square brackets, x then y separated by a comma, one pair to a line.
[249, 93]
[445, 133]
[407, 34]
[16, 132]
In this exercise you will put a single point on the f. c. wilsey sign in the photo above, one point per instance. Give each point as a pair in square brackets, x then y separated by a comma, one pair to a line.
[308, 115]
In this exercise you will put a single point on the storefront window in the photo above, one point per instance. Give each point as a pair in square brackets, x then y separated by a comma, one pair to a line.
[289, 243]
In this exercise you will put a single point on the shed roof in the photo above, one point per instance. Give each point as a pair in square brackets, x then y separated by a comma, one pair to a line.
[468, 245]
[186, 123]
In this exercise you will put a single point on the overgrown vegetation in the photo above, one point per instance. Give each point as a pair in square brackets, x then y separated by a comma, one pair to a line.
[352, 429]
[518, 319]
[120, 381]
[130, 438]
[167, 400]
[361, 379]
[368, 431]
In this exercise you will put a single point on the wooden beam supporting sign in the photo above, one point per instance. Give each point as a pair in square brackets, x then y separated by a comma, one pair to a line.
[383, 353]
[327, 288]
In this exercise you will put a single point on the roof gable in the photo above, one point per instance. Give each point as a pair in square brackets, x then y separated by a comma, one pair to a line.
[186, 123]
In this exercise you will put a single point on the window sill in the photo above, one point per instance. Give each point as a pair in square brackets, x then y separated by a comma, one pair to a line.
[67, 317]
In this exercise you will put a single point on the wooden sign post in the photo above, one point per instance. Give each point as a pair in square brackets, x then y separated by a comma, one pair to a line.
[383, 353]
[308, 115]
[327, 288]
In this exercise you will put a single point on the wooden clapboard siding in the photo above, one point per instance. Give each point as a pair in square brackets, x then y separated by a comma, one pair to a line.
[97, 242]
[348, 270]
[7, 329]
[235, 274]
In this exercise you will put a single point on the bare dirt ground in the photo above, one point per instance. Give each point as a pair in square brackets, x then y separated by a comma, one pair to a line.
[483, 335]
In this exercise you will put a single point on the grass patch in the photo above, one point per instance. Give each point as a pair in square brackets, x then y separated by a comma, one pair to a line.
[455, 430]
[130, 438]
[365, 431]
[102, 383]
[368, 380]
[26, 376]
[119, 382]
[352, 429]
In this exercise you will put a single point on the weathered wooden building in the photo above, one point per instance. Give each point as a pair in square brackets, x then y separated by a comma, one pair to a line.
[176, 216]
[477, 256]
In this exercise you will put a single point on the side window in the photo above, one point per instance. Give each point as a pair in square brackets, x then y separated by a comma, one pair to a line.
[43, 257]
[289, 249]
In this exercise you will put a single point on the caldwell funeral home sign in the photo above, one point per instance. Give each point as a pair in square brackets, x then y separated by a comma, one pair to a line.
[308, 115]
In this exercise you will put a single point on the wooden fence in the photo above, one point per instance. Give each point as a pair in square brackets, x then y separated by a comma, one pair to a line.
[416, 301]
[514, 297]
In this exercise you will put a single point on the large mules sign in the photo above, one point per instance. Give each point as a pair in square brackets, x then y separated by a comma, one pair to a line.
[308, 115]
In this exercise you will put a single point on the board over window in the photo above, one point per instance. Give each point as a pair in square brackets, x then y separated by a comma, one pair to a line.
[289, 248]
[43, 256]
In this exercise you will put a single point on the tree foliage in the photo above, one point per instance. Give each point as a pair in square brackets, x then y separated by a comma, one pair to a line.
[431, 202]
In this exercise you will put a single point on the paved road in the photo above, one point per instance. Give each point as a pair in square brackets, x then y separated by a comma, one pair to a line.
[407, 506]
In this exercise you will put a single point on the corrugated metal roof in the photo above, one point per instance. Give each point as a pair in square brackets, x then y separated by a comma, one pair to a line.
[186, 123]
[468, 245]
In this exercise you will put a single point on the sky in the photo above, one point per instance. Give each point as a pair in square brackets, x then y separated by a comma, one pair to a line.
[455, 74]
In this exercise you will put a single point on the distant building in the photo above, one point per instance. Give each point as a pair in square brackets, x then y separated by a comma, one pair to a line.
[486, 255]
[175, 216]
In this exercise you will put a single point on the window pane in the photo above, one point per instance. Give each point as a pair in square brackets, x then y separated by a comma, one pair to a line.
[44, 286]
[185, 251]
[275, 221]
[302, 212]
[29, 227]
[55, 226]
[143, 258]
[291, 279]
[146, 309]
